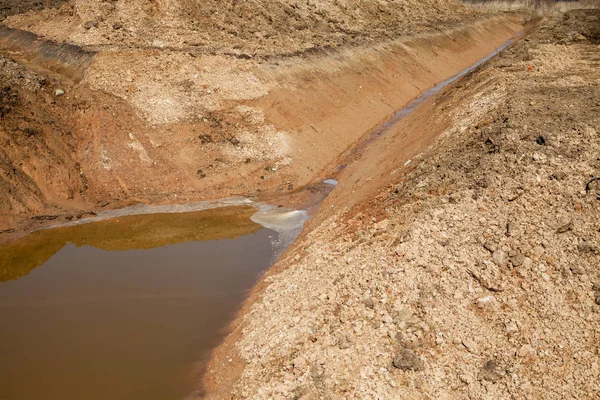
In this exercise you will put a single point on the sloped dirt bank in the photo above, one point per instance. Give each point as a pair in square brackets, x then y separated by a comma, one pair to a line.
[175, 126]
[467, 271]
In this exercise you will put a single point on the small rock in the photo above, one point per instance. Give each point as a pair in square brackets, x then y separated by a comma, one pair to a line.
[517, 259]
[490, 372]
[511, 228]
[491, 247]
[526, 351]
[565, 228]
[485, 302]
[382, 225]
[407, 360]
[471, 346]
[344, 386]
[368, 302]
[90, 24]
[499, 257]
[465, 378]
[511, 327]
[59, 92]
[204, 139]
[405, 315]
[588, 248]
[540, 140]
[117, 26]
[201, 174]
[577, 270]
[344, 344]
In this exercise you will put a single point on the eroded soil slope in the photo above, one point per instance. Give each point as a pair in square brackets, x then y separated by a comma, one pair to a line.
[122, 102]
[37, 147]
[469, 271]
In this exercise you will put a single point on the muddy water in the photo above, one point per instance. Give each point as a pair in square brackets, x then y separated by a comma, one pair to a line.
[124, 308]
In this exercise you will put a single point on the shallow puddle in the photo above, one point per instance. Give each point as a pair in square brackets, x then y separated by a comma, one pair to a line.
[125, 308]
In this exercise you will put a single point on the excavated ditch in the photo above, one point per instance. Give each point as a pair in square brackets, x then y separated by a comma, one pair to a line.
[126, 303]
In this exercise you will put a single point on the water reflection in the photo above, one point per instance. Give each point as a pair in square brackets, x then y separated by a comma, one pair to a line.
[124, 309]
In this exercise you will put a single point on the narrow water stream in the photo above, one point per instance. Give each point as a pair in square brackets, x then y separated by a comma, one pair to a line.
[129, 307]
[357, 151]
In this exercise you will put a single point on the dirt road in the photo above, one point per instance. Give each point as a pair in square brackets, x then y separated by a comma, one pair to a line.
[467, 271]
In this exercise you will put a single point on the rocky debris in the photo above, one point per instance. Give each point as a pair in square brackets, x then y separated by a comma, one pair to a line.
[408, 360]
[59, 92]
[36, 158]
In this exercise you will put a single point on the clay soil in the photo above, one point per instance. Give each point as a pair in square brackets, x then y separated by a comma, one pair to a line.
[458, 257]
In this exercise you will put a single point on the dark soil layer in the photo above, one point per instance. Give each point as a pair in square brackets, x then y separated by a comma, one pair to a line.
[12, 7]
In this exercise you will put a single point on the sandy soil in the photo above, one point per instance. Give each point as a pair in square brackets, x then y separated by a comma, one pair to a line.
[95, 124]
[260, 28]
[468, 269]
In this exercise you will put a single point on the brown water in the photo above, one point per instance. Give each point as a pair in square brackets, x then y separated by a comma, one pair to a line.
[126, 308]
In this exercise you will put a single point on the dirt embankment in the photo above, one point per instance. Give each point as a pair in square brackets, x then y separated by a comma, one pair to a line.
[245, 29]
[107, 122]
[467, 271]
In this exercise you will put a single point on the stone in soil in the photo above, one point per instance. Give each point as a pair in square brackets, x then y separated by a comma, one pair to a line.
[408, 360]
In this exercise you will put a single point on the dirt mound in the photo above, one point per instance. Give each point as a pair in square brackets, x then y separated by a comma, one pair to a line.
[584, 22]
[241, 28]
